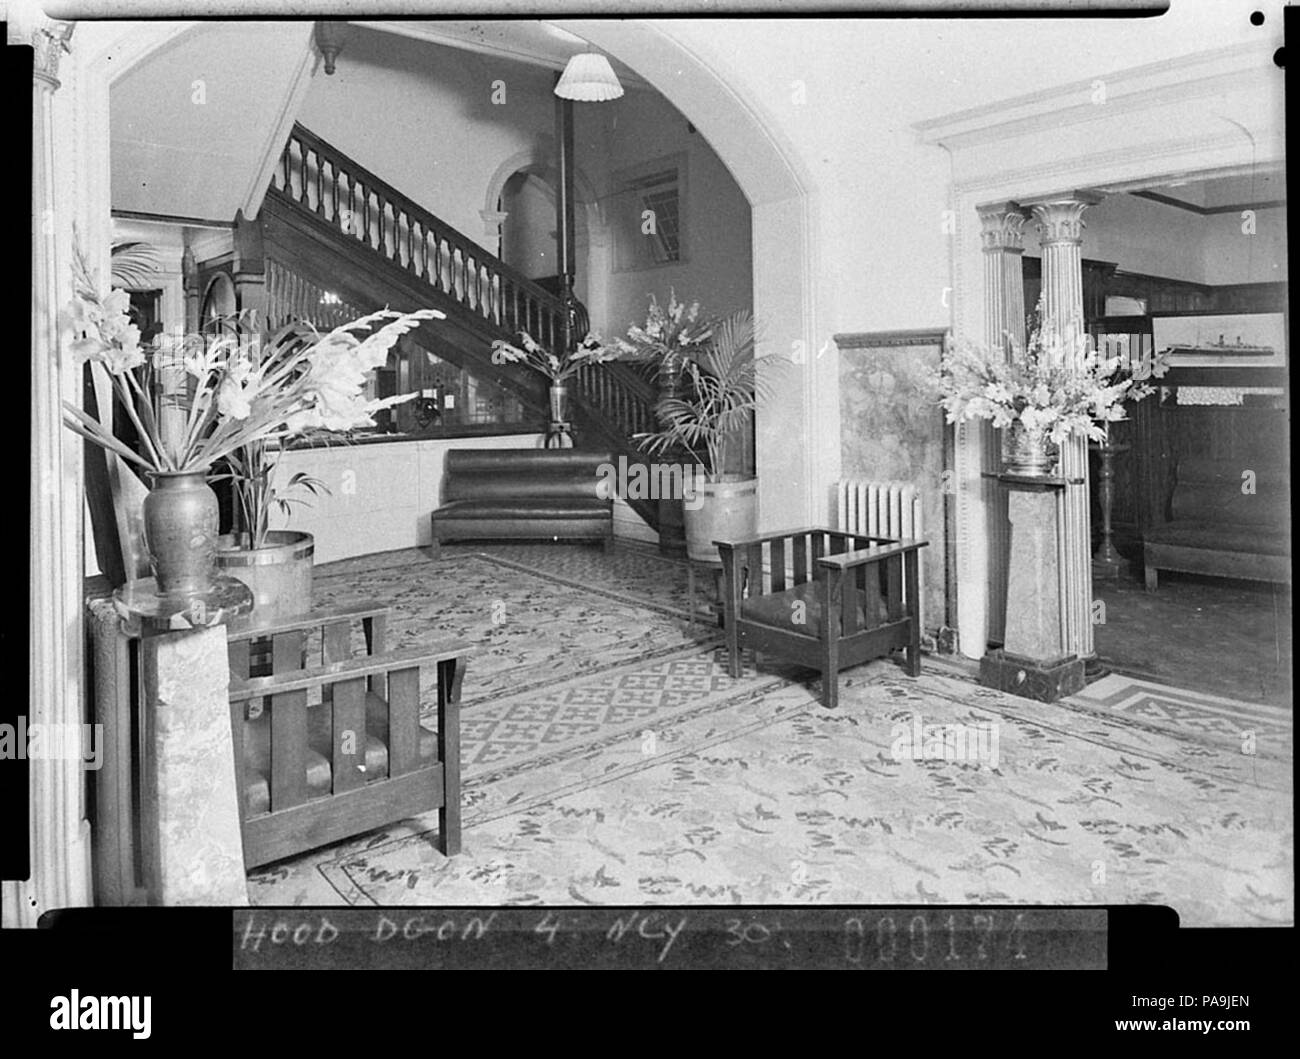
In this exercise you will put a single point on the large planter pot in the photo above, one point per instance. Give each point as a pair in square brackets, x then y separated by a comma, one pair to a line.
[1027, 452]
[279, 574]
[181, 520]
[726, 510]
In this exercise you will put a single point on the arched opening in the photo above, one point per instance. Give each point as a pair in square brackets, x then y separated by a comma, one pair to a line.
[526, 203]
[795, 480]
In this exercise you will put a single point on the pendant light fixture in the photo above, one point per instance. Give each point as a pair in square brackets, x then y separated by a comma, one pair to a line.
[588, 78]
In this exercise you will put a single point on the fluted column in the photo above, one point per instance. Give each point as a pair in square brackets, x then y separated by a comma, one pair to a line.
[1002, 233]
[1059, 220]
[58, 832]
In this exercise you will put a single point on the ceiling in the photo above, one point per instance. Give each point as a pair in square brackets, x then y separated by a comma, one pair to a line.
[1260, 187]
[532, 42]
[192, 125]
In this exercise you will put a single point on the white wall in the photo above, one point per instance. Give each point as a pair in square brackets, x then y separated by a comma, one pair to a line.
[717, 270]
[1149, 237]
[381, 495]
[1232, 255]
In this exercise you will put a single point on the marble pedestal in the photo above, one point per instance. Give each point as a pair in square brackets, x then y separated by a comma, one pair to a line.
[191, 838]
[1033, 661]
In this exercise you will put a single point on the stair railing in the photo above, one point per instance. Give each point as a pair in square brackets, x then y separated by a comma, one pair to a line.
[317, 178]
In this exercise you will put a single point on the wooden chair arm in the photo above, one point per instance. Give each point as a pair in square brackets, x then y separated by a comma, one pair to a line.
[313, 619]
[351, 669]
[862, 557]
[765, 538]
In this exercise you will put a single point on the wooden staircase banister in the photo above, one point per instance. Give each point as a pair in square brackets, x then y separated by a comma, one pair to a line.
[376, 228]
[322, 207]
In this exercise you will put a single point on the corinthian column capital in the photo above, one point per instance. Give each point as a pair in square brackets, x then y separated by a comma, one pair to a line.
[1059, 219]
[1002, 226]
[49, 38]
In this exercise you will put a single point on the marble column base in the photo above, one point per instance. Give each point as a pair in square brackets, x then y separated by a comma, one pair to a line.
[193, 845]
[1045, 681]
[1033, 578]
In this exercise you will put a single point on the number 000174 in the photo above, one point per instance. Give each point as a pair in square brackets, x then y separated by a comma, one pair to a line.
[926, 939]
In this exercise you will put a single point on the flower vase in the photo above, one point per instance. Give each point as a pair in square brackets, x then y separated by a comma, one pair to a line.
[181, 520]
[559, 395]
[1028, 451]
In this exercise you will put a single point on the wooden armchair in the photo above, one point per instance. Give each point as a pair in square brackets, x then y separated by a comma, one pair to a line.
[330, 751]
[822, 598]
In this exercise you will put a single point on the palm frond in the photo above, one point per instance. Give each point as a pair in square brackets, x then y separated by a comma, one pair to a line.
[135, 264]
[723, 382]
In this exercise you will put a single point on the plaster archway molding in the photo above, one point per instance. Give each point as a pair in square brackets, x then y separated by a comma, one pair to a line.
[538, 162]
[795, 481]
[784, 207]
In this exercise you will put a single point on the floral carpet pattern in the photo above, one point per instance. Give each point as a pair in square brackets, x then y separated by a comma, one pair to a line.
[661, 780]
[772, 798]
[531, 629]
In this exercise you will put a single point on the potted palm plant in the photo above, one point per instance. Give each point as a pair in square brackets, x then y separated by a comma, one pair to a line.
[721, 384]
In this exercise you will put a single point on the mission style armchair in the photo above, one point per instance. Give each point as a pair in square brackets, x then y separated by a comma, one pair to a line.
[337, 748]
[822, 598]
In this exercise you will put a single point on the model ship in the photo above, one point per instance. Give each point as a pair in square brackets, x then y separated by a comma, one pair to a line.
[1224, 348]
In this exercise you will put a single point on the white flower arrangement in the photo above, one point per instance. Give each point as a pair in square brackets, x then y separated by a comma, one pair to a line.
[240, 394]
[556, 368]
[667, 331]
[1056, 385]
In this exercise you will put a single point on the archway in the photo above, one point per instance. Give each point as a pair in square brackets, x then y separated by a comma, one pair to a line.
[794, 480]
[519, 224]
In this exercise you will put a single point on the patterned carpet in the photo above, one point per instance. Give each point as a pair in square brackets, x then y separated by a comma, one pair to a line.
[661, 780]
[532, 628]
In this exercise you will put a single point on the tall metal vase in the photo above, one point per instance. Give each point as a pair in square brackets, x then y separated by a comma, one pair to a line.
[180, 525]
[1027, 452]
[559, 395]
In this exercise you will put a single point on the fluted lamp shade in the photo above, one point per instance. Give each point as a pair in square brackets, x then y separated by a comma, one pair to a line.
[588, 78]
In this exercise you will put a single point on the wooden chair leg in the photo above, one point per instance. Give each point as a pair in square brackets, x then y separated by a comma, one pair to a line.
[732, 590]
[831, 673]
[913, 616]
[1152, 578]
[450, 675]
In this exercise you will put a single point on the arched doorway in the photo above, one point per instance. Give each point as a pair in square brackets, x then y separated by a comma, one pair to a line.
[519, 218]
[795, 480]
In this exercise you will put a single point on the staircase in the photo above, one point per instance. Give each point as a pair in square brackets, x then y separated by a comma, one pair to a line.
[329, 225]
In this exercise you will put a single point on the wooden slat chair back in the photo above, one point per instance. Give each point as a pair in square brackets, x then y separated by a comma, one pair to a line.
[823, 599]
[336, 749]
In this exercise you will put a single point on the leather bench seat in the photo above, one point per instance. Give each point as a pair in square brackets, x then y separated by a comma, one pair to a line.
[524, 494]
[257, 752]
[535, 509]
[1228, 518]
[780, 609]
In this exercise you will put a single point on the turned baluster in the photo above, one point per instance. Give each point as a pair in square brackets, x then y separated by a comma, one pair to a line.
[320, 185]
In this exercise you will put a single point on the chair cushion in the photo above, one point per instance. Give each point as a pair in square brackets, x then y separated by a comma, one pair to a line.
[1221, 537]
[779, 608]
[257, 752]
